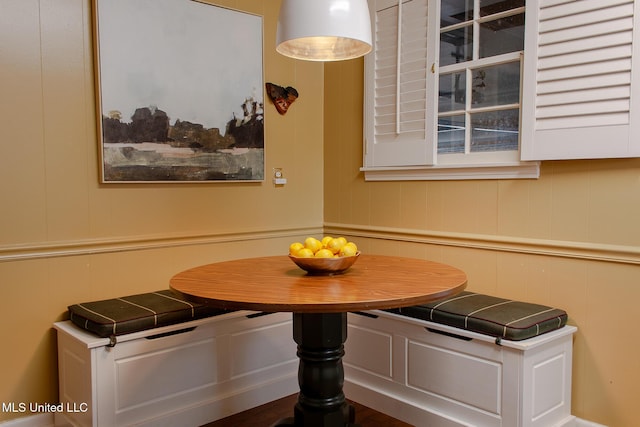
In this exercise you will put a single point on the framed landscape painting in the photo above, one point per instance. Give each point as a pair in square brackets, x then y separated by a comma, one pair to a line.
[180, 92]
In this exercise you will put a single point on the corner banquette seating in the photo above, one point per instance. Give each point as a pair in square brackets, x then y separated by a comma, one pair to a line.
[471, 360]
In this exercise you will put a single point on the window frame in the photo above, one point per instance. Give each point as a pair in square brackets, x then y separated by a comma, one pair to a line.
[580, 92]
[434, 165]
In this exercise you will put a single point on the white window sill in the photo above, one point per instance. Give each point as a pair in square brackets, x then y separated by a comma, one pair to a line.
[519, 170]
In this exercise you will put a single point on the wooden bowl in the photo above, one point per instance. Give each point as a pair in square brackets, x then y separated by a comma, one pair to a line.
[325, 266]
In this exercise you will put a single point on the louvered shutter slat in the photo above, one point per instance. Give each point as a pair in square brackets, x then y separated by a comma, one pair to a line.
[598, 68]
[582, 83]
[596, 121]
[588, 57]
[592, 95]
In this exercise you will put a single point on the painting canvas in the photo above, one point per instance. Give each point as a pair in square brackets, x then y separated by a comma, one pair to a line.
[179, 92]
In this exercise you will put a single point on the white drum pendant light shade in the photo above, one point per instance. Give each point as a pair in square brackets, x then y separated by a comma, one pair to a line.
[324, 30]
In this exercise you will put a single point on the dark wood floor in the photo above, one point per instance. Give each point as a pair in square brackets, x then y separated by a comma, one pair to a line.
[269, 413]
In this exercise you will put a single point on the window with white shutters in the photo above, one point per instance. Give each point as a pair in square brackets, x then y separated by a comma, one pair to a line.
[452, 91]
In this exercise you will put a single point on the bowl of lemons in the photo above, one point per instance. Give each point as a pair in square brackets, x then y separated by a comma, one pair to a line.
[324, 256]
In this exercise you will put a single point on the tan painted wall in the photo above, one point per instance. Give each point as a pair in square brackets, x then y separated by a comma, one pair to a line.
[64, 238]
[569, 239]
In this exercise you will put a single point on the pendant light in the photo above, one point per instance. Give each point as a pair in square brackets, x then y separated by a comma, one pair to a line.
[324, 30]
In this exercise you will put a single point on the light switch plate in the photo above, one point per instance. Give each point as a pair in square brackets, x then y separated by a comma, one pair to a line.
[278, 176]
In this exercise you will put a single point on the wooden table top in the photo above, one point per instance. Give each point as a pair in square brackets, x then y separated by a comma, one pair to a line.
[275, 284]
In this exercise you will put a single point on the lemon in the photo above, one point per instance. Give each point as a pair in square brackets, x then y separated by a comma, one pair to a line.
[325, 241]
[313, 244]
[324, 253]
[348, 250]
[335, 245]
[295, 247]
[304, 253]
[343, 240]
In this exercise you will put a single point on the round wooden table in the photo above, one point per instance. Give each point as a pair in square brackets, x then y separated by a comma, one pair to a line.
[319, 305]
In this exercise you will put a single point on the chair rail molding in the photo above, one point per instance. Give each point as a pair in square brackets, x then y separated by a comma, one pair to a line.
[145, 242]
[594, 251]
[624, 254]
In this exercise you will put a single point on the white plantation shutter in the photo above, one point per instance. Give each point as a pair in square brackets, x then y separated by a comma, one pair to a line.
[580, 92]
[396, 86]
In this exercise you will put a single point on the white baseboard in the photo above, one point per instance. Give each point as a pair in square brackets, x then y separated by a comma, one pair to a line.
[38, 420]
[396, 407]
[47, 420]
[584, 423]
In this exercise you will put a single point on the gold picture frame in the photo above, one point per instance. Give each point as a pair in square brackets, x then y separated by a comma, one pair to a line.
[179, 92]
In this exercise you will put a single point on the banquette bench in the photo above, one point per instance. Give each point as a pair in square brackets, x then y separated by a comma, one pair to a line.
[156, 359]
[469, 360]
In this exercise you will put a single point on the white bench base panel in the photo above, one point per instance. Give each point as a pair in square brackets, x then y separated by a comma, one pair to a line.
[396, 365]
[227, 364]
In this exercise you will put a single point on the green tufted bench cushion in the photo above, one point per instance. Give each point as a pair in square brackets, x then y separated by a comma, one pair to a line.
[489, 315]
[133, 313]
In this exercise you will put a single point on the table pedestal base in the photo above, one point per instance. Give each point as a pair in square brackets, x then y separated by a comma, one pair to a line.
[321, 402]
